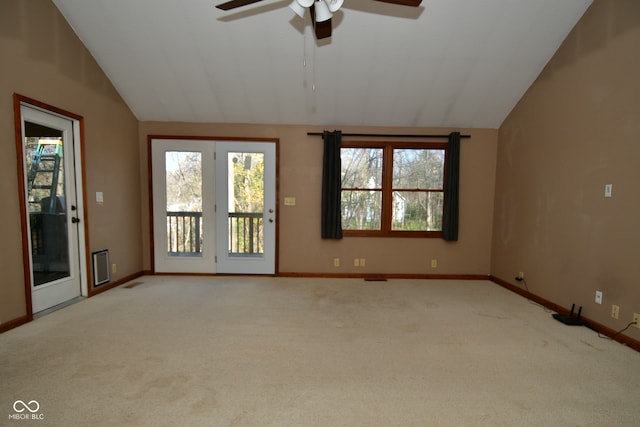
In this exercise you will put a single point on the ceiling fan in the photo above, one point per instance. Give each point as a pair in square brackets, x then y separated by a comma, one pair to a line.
[320, 10]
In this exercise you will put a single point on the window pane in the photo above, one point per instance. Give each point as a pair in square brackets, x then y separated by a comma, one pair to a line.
[183, 176]
[418, 168]
[361, 210]
[46, 187]
[246, 204]
[417, 211]
[361, 167]
[184, 181]
[246, 188]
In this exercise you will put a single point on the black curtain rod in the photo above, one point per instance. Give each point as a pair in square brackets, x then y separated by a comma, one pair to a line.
[389, 135]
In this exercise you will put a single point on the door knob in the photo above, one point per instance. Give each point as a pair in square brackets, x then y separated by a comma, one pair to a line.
[270, 219]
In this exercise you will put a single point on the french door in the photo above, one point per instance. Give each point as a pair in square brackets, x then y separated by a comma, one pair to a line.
[246, 205]
[51, 194]
[214, 206]
[183, 218]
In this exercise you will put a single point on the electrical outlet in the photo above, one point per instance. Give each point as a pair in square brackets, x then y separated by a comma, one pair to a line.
[521, 274]
[336, 262]
[636, 318]
[434, 263]
[598, 297]
[362, 262]
[114, 269]
[356, 262]
[615, 311]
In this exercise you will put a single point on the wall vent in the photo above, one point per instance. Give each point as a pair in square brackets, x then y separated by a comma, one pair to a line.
[101, 267]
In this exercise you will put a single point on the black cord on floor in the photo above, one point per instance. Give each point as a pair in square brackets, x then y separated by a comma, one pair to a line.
[524, 282]
[617, 333]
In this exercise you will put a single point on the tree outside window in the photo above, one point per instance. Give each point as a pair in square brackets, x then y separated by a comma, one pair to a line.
[392, 189]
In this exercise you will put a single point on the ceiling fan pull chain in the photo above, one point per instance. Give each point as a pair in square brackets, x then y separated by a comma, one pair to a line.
[304, 46]
[313, 85]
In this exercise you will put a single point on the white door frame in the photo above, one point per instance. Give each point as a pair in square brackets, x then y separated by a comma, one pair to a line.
[207, 264]
[33, 111]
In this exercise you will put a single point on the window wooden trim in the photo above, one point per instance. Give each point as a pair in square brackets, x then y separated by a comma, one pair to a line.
[387, 187]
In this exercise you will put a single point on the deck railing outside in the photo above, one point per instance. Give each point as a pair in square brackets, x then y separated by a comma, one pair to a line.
[246, 233]
[184, 233]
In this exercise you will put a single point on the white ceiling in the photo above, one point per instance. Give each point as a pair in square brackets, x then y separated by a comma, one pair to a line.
[449, 63]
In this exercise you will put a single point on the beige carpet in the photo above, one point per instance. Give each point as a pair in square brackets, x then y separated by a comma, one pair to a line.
[226, 351]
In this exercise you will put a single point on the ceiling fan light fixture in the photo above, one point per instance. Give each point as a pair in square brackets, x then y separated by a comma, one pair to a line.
[304, 3]
[322, 11]
[334, 5]
[299, 10]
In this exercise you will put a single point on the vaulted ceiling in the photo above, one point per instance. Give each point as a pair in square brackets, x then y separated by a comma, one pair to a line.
[447, 63]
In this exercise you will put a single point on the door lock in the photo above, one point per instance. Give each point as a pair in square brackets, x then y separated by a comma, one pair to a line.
[75, 220]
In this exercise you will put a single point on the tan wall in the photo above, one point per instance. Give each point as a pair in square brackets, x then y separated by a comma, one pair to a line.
[301, 248]
[43, 59]
[575, 130]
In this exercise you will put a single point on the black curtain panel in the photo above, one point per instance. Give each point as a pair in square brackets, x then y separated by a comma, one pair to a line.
[451, 189]
[331, 182]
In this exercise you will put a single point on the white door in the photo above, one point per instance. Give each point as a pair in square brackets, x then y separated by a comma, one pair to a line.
[53, 207]
[214, 206]
[183, 205]
[246, 207]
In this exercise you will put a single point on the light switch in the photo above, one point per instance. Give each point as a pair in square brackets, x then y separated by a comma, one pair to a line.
[607, 190]
[99, 197]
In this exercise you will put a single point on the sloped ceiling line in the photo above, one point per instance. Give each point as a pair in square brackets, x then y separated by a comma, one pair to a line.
[456, 64]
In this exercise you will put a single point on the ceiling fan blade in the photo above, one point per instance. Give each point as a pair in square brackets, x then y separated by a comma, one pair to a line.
[411, 3]
[235, 4]
[322, 29]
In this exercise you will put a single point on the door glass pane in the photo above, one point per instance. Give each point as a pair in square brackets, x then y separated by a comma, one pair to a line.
[44, 156]
[246, 203]
[184, 203]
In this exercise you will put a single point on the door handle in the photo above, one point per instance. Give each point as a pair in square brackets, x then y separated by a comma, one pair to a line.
[75, 220]
[270, 219]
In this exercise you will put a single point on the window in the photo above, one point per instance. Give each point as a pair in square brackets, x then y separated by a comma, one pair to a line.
[392, 188]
